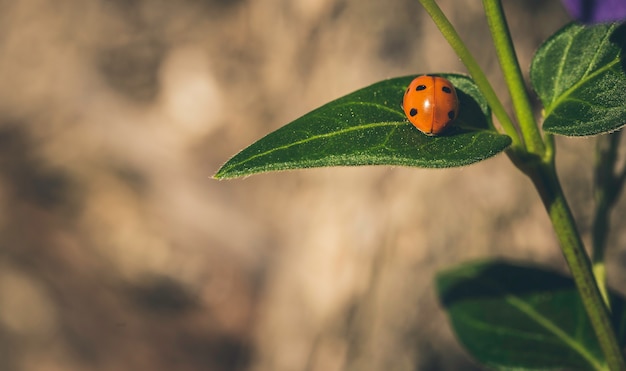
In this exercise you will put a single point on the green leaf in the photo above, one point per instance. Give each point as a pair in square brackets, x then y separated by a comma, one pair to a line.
[579, 75]
[511, 316]
[368, 127]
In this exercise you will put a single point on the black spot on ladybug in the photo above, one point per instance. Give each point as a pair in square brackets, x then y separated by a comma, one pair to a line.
[451, 115]
[413, 112]
[446, 90]
[420, 87]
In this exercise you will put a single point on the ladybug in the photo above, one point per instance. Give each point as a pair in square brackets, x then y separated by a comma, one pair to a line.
[430, 103]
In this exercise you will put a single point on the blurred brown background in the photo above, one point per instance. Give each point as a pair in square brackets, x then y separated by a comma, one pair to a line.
[117, 250]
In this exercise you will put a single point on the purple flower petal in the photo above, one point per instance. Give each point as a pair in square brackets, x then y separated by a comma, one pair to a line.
[596, 11]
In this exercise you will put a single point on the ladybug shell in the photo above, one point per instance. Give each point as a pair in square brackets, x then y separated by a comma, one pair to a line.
[430, 103]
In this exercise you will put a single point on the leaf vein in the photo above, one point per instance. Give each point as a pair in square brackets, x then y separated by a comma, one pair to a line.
[575, 86]
[316, 137]
[519, 303]
[597, 52]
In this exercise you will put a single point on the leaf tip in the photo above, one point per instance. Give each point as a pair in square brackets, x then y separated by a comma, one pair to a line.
[221, 174]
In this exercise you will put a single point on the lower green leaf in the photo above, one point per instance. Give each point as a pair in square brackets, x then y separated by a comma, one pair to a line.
[511, 316]
[368, 127]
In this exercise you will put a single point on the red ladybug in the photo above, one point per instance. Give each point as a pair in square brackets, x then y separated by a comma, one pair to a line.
[430, 103]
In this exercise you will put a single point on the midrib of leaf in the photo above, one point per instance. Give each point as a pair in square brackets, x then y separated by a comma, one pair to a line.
[516, 302]
[582, 81]
[586, 76]
[312, 138]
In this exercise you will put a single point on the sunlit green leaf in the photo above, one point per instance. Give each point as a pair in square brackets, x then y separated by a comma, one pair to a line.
[579, 75]
[368, 127]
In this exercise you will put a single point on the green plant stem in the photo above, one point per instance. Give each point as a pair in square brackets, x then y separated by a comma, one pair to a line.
[544, 177]
[453, 38]
[607, 188]
[513, 76]
[536, 159]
